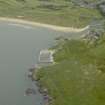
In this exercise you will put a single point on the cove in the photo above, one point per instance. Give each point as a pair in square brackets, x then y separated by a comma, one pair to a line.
[19, 50]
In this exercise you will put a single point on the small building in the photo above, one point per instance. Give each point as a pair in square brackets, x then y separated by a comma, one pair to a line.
[46, 56]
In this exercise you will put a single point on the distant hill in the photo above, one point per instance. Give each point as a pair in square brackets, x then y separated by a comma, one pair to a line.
[62, 12]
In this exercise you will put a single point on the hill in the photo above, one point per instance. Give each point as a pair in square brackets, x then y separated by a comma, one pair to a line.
[62, 12]
[78, 76]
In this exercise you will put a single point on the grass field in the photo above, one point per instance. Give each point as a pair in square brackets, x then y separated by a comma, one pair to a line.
[57, 12]
[78, 76]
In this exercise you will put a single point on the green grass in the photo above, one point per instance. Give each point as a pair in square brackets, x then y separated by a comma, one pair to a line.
[66, 13]
[78, 76]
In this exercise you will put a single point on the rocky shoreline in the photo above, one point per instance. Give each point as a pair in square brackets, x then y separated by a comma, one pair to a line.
[44, 91]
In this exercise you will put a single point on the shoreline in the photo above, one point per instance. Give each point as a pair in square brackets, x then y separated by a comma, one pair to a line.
[53, 27]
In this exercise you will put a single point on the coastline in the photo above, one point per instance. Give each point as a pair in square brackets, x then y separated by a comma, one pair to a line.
[53, 27]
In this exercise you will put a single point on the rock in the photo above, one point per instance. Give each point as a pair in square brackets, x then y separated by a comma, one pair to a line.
[30, 91]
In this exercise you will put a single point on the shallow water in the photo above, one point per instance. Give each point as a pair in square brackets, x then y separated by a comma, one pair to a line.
[19, 49]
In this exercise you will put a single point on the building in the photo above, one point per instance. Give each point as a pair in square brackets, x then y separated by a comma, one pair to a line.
[46, 56]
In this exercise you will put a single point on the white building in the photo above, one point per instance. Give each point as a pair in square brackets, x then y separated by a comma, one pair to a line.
[46, 56]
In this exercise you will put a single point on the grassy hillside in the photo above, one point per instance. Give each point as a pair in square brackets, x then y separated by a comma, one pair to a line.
[57, 12]
[78, 78]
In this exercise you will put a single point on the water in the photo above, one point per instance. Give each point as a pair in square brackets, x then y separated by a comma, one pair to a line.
[19, 50]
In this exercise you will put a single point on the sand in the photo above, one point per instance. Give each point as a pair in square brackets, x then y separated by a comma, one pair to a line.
[36, 24]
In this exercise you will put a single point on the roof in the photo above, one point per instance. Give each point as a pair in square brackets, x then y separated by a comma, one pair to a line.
[46, 56]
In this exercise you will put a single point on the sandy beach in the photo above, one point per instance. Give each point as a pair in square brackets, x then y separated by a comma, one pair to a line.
[53, 27]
